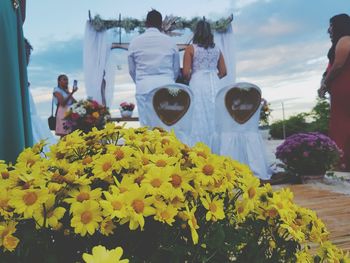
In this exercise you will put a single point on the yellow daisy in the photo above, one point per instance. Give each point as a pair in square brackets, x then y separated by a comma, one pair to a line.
[139, 206]
[157, 181]
[215, 208]
[107, 227]
[104, 166]
[86, 217]
[53, 214]
[114, 205]
[101, 255]
[165, 213]
[7, 240]
[27, 158]
[28, 201]
[200, 151]
[5, 209]
[250, 186]
[162, 160]
[83, 193]
[208, 171]
[192, 222]
[123, 156]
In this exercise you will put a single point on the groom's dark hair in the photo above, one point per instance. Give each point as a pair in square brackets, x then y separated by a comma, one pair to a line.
[154, 19]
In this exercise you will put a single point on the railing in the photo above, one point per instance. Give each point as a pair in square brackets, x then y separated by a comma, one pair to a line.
[122, 119]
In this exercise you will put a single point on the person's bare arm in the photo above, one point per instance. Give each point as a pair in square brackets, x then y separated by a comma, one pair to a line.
[221, 67]
[60, 99]
[63, 102]
[187, 63]
[342, 52]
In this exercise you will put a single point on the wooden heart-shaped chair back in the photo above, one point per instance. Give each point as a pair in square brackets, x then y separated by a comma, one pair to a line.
[171, 103]
[242, 101]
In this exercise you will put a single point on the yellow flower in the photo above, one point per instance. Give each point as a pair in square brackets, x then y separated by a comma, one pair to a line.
[180, 179]
[114, 205]
[5, 209]
[242, 209]
[84, 193]
[162, 160]
[86, 216]
[101, 255]
[123, 156]
[192, 222]
[104, 166]
[215, 208]
[208, 171]
[139, 207]
[304, 256]
[107, 227]
[71, 173]
[294, 230]
[250, 187]
[157, 181]
[165, 213]
[27, 158]
[330, 253]
[200, 151]
[53, 214]
[8, 179]
[6, 235]
[28, 201]
[95, 114]
[10, 242]
[127, 184]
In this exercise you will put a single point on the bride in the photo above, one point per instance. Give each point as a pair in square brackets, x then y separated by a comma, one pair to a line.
[203, 65]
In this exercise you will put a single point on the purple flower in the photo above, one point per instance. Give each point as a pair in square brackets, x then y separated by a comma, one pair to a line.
[305, 153]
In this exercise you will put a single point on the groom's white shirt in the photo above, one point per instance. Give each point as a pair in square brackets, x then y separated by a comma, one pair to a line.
[153, 60]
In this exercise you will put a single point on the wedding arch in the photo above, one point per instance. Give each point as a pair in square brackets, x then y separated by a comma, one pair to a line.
[99, 74]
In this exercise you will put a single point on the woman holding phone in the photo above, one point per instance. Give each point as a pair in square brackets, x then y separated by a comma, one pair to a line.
[64, 98]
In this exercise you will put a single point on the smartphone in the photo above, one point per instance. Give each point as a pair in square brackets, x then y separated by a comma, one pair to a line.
[75, 83]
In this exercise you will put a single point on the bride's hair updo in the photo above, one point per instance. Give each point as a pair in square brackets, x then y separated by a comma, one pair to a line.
[203, 36]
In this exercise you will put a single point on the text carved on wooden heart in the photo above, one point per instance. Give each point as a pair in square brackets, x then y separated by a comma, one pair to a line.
[171, 106]
[241, 104]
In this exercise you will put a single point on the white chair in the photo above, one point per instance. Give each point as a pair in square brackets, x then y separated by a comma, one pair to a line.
[169, 107]
[237, 114]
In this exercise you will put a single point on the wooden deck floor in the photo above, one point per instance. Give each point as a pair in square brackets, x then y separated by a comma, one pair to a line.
[333, 208]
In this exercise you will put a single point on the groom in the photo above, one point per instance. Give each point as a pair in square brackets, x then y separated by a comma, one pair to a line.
[153, 61]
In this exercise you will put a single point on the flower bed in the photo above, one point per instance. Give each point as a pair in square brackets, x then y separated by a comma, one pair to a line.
[155, 197]
[310, 153]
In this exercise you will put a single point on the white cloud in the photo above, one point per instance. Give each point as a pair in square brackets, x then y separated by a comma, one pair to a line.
[277, 27]
[244, 3]
[277, 57]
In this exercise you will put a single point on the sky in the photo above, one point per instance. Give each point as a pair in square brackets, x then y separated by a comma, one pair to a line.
[281, 45]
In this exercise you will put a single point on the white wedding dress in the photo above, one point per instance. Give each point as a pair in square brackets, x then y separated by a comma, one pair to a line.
[204, 84]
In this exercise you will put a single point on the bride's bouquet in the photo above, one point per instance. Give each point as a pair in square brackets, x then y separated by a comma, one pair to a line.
[86, 114]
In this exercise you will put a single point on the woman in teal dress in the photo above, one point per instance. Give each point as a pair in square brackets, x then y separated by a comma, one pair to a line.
[15, 123]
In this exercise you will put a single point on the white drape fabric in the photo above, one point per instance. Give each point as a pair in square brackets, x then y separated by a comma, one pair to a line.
[226, 42]
[97, 53]
[242, 142]
[97, 48]
[40, 127]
